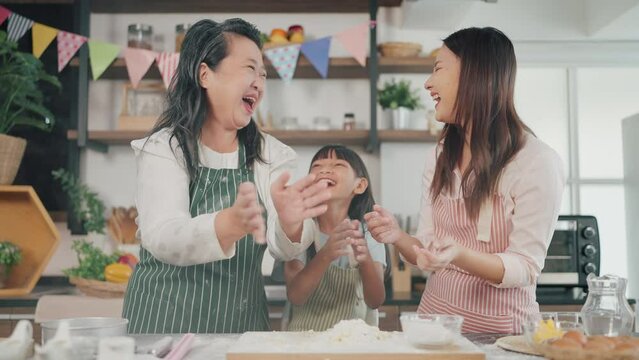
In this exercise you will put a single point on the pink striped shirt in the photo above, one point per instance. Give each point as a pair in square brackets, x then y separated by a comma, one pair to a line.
[519, 226]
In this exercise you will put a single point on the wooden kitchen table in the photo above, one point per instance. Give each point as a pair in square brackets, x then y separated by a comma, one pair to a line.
[215, 346]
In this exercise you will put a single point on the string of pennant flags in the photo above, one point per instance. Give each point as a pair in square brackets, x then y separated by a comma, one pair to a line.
[138, 61]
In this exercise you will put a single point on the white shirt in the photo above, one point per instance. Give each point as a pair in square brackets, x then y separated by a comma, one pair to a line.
[531, 185]
[165, 226]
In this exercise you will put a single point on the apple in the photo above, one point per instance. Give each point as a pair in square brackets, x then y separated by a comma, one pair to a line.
[128, 259]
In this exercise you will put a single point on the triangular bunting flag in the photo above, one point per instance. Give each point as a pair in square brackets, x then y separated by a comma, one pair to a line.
[317, 54]
[4, 14]
[42, 36]
[138, 62]
[68, 45]
[284, 60]
[101, 56]
[18, 26]
[167, 63]
[354, 41]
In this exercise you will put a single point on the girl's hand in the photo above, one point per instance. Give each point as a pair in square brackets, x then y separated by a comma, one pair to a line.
[383, 226]
[248, 212]
[360, 249]
[437, 254]
[340, 239]
[302, 200]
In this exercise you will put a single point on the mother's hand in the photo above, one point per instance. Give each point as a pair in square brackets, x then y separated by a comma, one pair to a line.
[382, 225]
[437, 254]
[294, 203]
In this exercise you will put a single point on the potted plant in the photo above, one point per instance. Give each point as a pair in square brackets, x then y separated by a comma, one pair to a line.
[21, 103]
[85, 204]
[399, 99]
[10, 255]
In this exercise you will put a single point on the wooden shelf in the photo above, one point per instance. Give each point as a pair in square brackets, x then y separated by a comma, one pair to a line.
[406, 136]
[409, 65]
[316, 137]
[243, 6]
[339, 68]
[289, 137]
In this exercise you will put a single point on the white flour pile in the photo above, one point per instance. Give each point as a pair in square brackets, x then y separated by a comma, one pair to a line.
[354, 332]
[348, 336]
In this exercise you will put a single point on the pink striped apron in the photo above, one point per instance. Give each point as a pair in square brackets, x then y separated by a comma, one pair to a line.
[485, 308]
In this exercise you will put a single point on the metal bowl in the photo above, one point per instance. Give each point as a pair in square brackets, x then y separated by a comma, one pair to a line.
[87, 327]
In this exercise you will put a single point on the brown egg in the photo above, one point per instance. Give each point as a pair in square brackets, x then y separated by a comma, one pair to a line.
[566, 343]
[632, 340]
[626, 346]
[599, 344]
[576, 336]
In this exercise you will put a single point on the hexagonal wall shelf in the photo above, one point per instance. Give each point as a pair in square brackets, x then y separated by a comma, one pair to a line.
[25, 222]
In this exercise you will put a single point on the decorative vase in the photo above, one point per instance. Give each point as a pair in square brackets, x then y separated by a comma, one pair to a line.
[401, 118]
[11, 153]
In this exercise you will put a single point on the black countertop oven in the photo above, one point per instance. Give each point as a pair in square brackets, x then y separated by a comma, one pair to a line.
[574, 252]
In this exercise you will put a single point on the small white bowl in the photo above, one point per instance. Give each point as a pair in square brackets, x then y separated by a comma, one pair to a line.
[431, 330]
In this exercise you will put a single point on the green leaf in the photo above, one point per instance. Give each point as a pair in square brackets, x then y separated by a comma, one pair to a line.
[22, 76]
[86, 205]
[398, 94]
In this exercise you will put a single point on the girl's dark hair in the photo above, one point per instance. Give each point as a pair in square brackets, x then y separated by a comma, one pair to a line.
[205, 42]
[361, 203]
[485, 108]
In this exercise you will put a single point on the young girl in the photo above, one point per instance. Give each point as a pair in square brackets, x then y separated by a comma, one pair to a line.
[491, 192]
[341, 275]
[206, 175]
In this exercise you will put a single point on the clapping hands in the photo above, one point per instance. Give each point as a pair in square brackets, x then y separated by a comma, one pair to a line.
[302, 200]
[437, 254]
[248, 212]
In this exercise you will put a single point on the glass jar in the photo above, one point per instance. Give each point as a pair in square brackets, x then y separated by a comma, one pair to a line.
[140, 36]
[606, 311]
[180, 32]
[349, 121]
[321, 123]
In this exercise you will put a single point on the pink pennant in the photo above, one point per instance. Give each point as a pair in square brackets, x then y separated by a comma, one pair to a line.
[68, 45]
[167, 63]
[138, 62]
[4, 14]
[354, 41]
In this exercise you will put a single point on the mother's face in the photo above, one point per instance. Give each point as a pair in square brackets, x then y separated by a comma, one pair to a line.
[443, 84]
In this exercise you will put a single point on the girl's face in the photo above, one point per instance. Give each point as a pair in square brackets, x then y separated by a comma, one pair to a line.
[339, 176]
[234, 89]
[443, 84]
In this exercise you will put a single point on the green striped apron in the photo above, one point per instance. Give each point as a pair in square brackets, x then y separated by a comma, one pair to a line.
[225, 296]
[339, 296]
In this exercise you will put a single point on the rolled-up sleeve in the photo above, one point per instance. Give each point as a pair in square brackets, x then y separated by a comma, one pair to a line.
[165, 226]
[425, 226]
[281, 158]
[537, 192]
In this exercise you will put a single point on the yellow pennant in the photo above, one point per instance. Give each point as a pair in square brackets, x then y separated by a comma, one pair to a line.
[42, 36]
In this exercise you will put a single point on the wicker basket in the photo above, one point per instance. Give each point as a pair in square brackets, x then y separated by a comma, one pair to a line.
[11, 152]
[399, 49]
[96, 288]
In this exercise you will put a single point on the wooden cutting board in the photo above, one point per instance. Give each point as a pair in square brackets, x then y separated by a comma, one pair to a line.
[317, 346]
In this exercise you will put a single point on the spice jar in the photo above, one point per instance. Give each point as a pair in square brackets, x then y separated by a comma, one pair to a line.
[140, 36]
[180, 32]
[349, 121]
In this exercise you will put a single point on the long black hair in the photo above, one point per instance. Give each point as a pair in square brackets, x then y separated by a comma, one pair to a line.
[205, 42]
[361, 203]
[485, 108]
